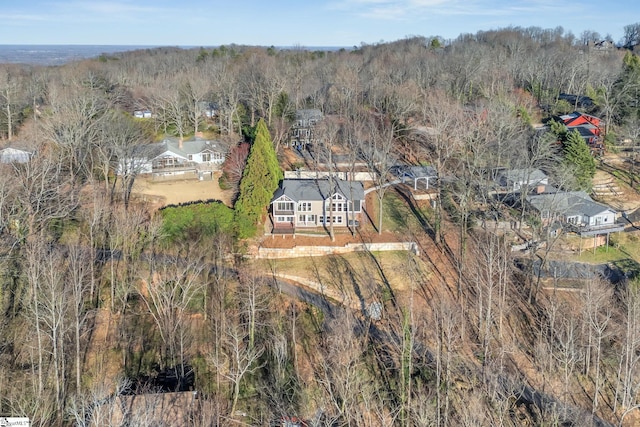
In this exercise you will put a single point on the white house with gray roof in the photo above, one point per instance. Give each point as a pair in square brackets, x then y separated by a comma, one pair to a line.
[310, 203]
[174, 156]
[577, 211]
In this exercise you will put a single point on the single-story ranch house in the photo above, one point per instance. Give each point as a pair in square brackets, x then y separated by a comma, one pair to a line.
[173, 157]
[576, 211]
[309, 203]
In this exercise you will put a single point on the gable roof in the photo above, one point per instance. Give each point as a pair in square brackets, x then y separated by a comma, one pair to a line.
[523, 175]
[585, 131]
[577, 118]
[172, 146]
[318, 189]
[420, 172]
[570, 203]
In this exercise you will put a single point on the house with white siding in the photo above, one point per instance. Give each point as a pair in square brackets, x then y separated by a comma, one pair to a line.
[174, 156]
[576, 211]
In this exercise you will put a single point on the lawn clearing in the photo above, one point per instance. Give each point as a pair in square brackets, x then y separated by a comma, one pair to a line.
[359, 275]
[182, 191]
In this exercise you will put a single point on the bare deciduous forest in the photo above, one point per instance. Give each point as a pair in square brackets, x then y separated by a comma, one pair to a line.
[114, 312]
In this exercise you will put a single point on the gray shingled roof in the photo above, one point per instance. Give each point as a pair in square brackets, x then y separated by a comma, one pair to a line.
[309, 114]
[193, 146]
[570, 203]
[318, 189]
[524, 175]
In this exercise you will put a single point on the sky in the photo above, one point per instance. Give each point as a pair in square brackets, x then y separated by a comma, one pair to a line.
[305, 23]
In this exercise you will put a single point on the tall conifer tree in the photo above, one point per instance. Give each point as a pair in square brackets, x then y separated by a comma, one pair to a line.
[260, 178]
[578, 157]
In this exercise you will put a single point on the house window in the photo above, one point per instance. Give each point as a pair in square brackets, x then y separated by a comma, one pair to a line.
[284, 206]
[307, 219]
[190, 156]
[284, 219]
[304, 206]
[327, 219]
[206, 157]
[354, 206]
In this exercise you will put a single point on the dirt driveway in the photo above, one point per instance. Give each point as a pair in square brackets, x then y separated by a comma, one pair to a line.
[181, 190]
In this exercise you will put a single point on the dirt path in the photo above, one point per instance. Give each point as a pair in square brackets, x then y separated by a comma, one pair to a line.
[612, 190]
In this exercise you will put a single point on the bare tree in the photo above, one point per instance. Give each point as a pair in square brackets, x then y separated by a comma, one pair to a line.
[442, 143]
[340, 374]
[629, 355]
[196, 90]
[121, 153]
[10, 93]
[598, 299]
[78, 272]
[168, 293]
[253, 300]
[378, 149]
[631, 36]
[73, 121]
[237, 360]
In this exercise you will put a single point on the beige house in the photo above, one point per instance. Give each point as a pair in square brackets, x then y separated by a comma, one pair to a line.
[310, 203]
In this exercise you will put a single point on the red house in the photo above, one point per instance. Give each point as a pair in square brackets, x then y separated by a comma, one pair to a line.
[588, 127]
[576, 119]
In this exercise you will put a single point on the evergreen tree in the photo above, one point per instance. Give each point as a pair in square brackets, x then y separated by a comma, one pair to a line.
[577, 156]
[260, 179]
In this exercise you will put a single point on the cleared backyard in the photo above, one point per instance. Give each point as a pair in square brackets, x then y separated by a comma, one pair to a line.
[180, 191]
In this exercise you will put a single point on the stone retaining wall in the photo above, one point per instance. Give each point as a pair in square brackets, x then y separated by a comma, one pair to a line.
[308, 251]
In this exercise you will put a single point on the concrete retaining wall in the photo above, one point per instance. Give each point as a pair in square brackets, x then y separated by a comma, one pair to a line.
[309, 251]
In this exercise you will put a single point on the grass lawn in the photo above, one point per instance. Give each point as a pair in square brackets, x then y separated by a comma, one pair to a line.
[397, 216]
[623, 252]
[622, 246]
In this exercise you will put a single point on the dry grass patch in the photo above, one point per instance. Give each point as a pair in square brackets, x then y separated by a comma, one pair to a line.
[181, 191]
[358, 276]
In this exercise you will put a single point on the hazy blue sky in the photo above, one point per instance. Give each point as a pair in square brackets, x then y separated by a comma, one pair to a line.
[293, 22]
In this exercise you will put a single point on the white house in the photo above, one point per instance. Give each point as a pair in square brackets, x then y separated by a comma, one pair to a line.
[174, 156]
[14, 155]
[142, 114]
[577, 211]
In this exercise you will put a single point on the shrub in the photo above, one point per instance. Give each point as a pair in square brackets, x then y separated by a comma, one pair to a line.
[197, 219]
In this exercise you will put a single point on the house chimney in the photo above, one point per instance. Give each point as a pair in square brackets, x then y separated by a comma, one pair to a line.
[180, 143]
